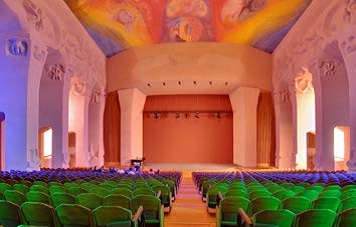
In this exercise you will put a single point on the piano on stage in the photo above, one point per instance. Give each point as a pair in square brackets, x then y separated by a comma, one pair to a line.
[138, 160]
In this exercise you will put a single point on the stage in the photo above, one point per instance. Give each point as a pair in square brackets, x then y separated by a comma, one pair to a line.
[191, 167]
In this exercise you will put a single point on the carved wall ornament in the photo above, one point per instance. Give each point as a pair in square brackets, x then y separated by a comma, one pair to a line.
[39, 53]
[55, 71]
[351, 163]
[328, 68]
[16, 47]
[303, 82]
[96, 96]
[283, 96]
[79, 88]
[349, 45]
[34, 14]
[350, 11]
[34, 161]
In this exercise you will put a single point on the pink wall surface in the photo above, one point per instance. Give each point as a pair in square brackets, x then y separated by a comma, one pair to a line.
[188, 140]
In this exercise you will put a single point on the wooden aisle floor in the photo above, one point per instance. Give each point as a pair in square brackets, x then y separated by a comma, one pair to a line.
[189, 209]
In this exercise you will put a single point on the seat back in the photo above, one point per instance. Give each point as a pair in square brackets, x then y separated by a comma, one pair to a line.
[283, 194]
[281, 218]
[4, 187]
[10, 214]
[330, 203]
[35, 196]
[309, 194]
[296, 204]
[346, 218]
[121, 191]
[112, 215]
[89, 200]
[265, 203]
[56, 188]
[117, 200]
[15, 197]
[77, 190]
[39, 188]
[316, 218]
[70, 215]
[348, 203]
[259, 193]
[39, 214]
[151, 207]
[227, 210]
[102, 192]
[349, 193]
[62, 198]
[21, 188]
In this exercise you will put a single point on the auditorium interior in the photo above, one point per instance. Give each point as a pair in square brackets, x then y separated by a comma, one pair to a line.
[177, 113]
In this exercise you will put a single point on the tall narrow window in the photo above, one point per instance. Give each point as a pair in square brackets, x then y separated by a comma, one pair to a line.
[47, 143]
[2, 140]
[339, 144]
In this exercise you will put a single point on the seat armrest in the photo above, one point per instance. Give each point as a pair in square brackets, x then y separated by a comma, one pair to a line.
[138, 214]
[245, 219]
[161, 216]
[159, 193]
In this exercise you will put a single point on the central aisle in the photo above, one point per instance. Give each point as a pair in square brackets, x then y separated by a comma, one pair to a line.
[188, 209]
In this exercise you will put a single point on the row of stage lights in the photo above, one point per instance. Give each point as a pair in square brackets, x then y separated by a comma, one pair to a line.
[181, 83]
[187, 114]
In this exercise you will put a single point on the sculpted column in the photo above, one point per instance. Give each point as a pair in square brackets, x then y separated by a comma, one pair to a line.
[14, 59]
[348, 48]
[96, 127]
[36, 65]
[132, 102]
[284, 129]
[78, 120]
[244, 105]
[303, 104]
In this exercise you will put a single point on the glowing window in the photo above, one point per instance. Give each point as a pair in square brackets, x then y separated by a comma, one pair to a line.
[339, 144]
[47, 143]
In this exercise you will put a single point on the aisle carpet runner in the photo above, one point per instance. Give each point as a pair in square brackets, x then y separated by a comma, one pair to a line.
[189, 209]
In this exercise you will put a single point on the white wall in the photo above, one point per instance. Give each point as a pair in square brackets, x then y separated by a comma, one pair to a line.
[244, 105]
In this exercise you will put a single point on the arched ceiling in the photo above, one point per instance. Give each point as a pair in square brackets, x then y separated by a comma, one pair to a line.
[119, 24]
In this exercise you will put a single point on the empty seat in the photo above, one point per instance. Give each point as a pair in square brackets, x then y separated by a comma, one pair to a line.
[316, 218]
[280, 218]
[74, 215]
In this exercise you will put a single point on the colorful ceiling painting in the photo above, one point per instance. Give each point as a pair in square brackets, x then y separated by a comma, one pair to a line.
[118, 24]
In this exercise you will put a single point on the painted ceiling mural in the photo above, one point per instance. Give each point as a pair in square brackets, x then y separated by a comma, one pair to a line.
[119, 24]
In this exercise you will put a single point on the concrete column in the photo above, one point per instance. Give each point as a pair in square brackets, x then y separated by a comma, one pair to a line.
[244, 105]
[132, 102]
[349, 58]
[14, 80]
[78, 120]
[284, 129]
[96, 128]
[36, 64]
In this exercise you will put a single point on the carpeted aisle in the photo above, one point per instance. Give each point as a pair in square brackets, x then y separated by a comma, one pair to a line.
[188, 209]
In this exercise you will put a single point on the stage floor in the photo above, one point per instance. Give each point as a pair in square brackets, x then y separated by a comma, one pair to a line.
[191, 166]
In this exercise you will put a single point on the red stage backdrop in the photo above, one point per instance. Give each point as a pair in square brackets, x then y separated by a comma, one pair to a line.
[188, 139]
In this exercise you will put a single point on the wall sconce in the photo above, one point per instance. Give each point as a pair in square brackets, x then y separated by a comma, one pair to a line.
[177, 114]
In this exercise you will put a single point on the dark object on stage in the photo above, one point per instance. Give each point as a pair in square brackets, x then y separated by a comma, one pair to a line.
[138, 160]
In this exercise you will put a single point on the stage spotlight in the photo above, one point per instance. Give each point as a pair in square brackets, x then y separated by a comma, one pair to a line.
[197, 115]
[218, 115]
[177, 114]
[156, 115]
